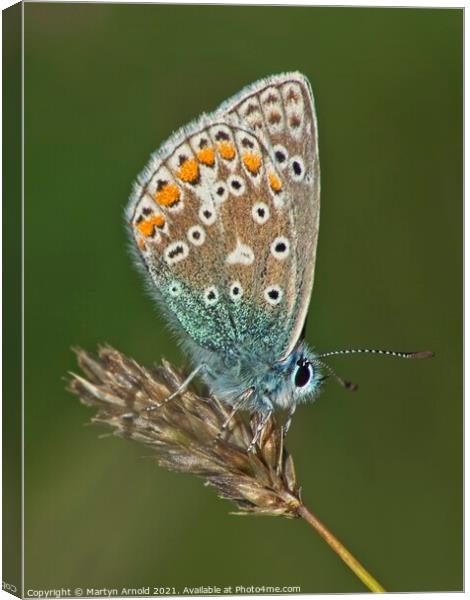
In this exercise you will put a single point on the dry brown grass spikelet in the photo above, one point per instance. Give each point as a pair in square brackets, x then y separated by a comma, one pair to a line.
[184, 435]
[184, 432]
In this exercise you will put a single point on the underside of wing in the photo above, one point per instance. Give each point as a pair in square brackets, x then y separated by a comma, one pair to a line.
[225, 220]
[280, 109]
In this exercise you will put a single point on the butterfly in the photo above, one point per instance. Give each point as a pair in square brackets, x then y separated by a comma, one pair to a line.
[224, 221]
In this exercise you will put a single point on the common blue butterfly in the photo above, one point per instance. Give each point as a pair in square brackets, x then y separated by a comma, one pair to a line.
[224, 220]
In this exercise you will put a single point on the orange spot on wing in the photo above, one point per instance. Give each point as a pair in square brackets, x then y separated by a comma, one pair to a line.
[275, 182]
[158, 220]
[168, 195]
[226, 150]
[147, 227]
[206, 156]
[189, 171]
[252, 162]
[141, 244]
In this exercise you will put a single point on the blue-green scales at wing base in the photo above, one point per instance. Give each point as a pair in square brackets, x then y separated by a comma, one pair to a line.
[225, 221]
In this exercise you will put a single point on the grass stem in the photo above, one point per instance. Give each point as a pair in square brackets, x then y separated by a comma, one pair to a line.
[372, 584]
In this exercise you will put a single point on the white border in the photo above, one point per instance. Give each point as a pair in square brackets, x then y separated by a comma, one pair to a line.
[416, 4]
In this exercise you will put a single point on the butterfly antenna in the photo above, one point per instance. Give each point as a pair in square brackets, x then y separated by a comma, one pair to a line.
[422, 354]
[348, 385]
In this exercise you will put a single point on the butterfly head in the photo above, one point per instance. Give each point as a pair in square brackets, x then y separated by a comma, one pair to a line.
[304, 374]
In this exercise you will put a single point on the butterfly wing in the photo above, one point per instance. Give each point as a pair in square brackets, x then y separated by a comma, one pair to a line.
[215, 224]
[281, 111]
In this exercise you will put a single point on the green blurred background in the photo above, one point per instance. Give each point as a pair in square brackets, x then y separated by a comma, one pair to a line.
[104, 86]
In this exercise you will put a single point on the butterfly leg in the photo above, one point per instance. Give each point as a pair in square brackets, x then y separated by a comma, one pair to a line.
[238, 403]
[267, 412]
[288, 422]
[180, 389]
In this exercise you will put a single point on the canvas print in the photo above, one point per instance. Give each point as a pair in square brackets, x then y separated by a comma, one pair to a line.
[237, 354]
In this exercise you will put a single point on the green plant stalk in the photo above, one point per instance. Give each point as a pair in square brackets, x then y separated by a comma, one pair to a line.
[372, 584]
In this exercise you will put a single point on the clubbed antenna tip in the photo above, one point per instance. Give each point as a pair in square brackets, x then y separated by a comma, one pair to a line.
[184, 433]
[350, 386]
[423, 354]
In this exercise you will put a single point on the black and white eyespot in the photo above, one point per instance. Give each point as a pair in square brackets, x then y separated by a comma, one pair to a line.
[280, 248]
[281, 156]
[176, 252]
[211, 296]
[175, 289]
[303, 373]
[220, 192]
[236, 185]
[196, 235]
[207, 214]
[236, 291]
[260, 213]
[297, 168]
[273, 294]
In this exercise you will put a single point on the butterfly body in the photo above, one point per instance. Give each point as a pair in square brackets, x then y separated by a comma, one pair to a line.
[224, 221]
[273, 383]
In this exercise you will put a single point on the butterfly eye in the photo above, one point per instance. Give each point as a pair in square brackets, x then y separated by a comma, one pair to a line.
[303, 374]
